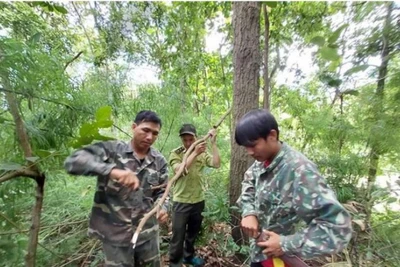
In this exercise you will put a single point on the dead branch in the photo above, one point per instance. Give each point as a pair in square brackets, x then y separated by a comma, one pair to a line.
[72, 60]
[38, 97]
[122, 131]
[90, 253]
[177, 175]
[169, 132]
[23, 172]
[158, 186]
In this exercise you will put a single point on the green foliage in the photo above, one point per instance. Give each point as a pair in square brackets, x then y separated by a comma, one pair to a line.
[89, 131]
[67, 101]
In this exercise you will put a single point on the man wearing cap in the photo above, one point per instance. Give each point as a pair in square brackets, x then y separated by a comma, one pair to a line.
[188, 196]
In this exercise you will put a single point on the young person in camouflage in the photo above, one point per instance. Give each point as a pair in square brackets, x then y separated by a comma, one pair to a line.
[281, 188]
[188, 196]
[125, 172]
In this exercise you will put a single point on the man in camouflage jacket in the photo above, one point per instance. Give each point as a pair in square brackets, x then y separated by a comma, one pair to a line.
[281, 188]
[125, 174]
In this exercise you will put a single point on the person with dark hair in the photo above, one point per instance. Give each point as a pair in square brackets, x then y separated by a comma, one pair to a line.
[281, 188]
[188, 196]
[126, 173]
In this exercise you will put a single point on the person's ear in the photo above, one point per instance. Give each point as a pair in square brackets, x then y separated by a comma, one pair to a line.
[273, 135]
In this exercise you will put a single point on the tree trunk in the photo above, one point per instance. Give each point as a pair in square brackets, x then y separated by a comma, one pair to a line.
[378, 107]
[246, 62]
[32, 172]
[267, 85]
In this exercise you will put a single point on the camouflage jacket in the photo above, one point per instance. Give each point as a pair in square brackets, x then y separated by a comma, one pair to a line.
[117, 210]
[288, 190]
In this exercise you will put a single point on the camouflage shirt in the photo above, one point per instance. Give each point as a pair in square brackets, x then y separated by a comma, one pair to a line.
[288, 190]
[117, 210]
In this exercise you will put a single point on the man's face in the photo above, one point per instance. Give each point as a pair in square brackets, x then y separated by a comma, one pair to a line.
[145, 134]
[263, 148]
[187, 140]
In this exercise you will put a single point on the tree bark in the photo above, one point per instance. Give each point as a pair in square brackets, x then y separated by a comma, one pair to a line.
[378, 106]
[246, 62]
[267, 85]
[31, 171]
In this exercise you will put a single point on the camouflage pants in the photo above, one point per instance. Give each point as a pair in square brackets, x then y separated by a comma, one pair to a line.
[144, 255]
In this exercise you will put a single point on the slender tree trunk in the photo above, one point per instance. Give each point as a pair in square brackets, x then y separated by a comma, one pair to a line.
[267, 85]
[246, 62]
[32, 170]
[378, 106]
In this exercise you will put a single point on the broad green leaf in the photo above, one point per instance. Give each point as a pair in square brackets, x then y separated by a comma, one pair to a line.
[104, 123]
[336, 34]
[103, 113]
[271, 4]
[87, 129]
[49, 8]
[329, 53]
[60, 9]
[335, 82]
[35, 38]
[318, 40]
[351, 92]
[98, 136]
[334, 65]
[10, 166]
[82, 141]
[391, 200]
[356, 69]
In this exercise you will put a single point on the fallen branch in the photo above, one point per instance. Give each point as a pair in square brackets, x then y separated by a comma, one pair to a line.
[72, 60]
[177, 175]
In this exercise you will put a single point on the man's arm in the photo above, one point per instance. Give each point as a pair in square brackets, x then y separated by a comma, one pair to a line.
[214, 161]
[246, 202]
[329, 224]
[163, 180]
[90, 160]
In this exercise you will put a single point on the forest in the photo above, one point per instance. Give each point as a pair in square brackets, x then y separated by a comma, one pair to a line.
[73, 73]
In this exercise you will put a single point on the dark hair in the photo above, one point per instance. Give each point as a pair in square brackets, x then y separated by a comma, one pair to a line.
[255, 124]
[147, 116]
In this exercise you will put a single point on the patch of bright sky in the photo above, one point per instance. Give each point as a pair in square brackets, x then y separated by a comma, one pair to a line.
[296, 59]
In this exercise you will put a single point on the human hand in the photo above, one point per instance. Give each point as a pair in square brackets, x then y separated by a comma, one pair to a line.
[213, 135]
[125, 177]
[271, 244]
[162, 216]
[250, 226]
[200, 148]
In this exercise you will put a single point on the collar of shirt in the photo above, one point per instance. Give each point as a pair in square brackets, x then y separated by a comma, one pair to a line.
[270, 165]
[151, 154]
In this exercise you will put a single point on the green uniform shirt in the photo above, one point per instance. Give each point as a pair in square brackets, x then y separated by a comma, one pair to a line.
[189, 188]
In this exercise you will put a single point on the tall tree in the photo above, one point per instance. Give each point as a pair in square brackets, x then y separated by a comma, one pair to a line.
[266, 102]
[246, 61]
[378, 110]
